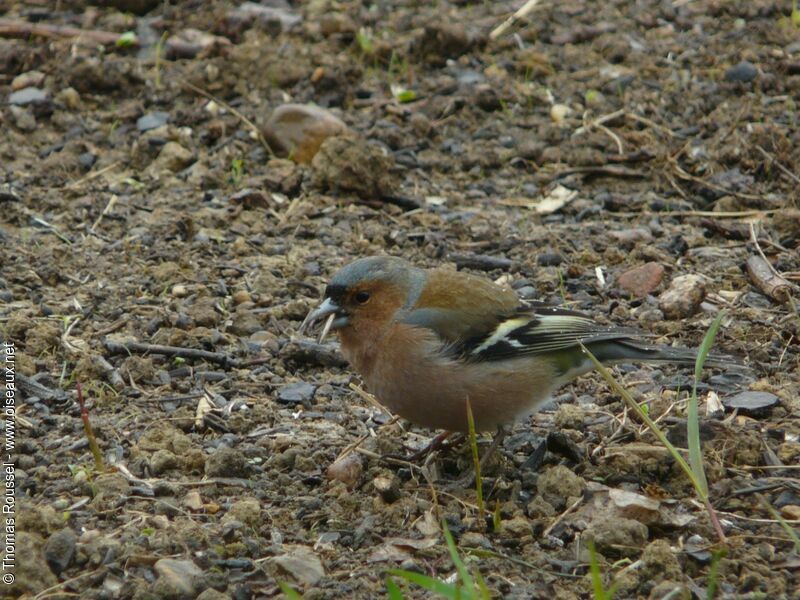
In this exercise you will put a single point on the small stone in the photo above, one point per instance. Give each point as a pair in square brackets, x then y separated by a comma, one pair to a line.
[559, 113]
[27, 80]
[642, 280]
[617, 536]
[226, 462]
[179, 579]
[628, 238]
[751, 403]
[569, 416]
[745, 72]
[22, 118]
[59, 550]
[250, 198]
[179, 290]
[659, 563]
[299, 392]
[241, 296]
[193, 501]
[486, 98]
[245, 322]
[297, 130]
[348, 470]
[517, 527]
[683, 297]
[26, 96]
[152, 120]
[69, 97]
[559, 483]
[791, 512]
[441, 40]
[549, 259]
[301, 563]
[350, 164]
[87, 160]
[245, 511]
[173, 157]
[388, 488]
[162, 461]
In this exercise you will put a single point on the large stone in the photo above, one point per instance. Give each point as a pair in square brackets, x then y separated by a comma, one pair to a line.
[298, 130]
[179, 579]
[683, 297]
[642, 280]
[349, 164]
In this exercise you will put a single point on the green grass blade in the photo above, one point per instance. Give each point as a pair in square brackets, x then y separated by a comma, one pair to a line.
[463, 572]
[289, 592]
[786, 527]
[597, 578]
[437, 586]
[634, 406]
[713, 575]
[393, 590]
[473, 442]
[693, 416]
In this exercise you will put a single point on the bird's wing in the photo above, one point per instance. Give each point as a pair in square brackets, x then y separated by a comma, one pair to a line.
[543, 330]
[459, 307]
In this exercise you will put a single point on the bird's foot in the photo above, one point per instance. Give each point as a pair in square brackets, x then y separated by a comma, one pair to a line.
[425, 452]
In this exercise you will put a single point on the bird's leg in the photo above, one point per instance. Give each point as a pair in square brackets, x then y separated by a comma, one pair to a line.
[427, 450]
[468, 477]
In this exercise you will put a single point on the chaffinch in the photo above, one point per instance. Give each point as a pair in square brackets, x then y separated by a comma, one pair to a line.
[425, 341]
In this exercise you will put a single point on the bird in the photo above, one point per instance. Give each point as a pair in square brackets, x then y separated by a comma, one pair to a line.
[428, 342]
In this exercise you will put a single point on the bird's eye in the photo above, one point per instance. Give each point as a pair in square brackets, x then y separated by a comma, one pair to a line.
[362, 297]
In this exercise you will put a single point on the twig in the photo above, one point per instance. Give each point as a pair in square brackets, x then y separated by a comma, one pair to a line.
[523, 12]
[87, 427]
[235, 113]
[11, 28]
[220, 358]
[93, 175]
[111, 202]
[560, 517]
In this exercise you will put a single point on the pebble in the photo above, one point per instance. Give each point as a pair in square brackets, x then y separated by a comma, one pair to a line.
[87, 160]
[173, 157]
[388, 488]
[26, 96]
[23, 118]
[226, 462]
[642, 280]
[302, 564]
[245, 511]
[486, 98]
[60, 550]
[559, 112]
[751, 403]
[300, 392]
[683, 298]
[298, 130]
[559, 483]
[791, 512]
[69, 97]
[30, 79]
[350, 164]
[179, 579]
[348, 470]
[152, 120]
[745, 72]
[618, 536]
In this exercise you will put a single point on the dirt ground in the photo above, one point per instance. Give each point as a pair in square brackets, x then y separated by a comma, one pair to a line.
[635, 160]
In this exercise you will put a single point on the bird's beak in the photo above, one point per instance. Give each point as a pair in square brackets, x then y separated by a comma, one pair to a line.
[334, 315]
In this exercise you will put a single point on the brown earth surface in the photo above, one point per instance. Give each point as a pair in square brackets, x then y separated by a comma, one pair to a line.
[625, 159]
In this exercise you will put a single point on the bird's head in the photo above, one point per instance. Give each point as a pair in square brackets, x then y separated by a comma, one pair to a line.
[366, 294]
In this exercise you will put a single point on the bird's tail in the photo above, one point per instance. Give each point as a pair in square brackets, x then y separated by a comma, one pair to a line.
[625, 350]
